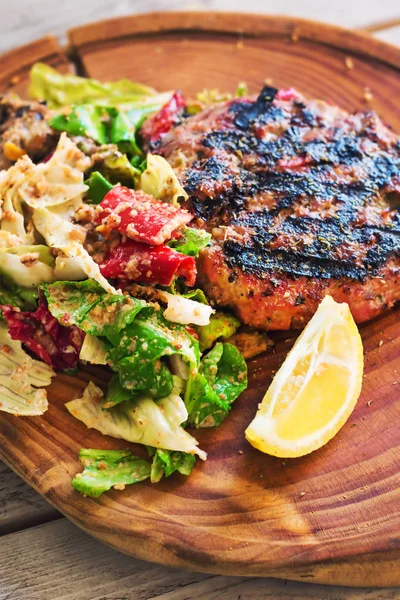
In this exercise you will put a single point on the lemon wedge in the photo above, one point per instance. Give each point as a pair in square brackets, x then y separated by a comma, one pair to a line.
[315, 390]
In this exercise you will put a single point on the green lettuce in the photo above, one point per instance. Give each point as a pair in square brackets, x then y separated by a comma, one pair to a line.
[115, 393]
[222, 325]
[15, 295]
[192, 241]
[104, 469]
[139, 420]
[136, 355]
[47, 84]
[136, 335]
[91, 308]
[221, 378]
[167, 462]
[118, 169]
[160, 181]
[83, 120]
[98, 187]
[108, 113]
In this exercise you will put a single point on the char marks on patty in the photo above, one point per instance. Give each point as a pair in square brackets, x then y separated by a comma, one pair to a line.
[291, 187]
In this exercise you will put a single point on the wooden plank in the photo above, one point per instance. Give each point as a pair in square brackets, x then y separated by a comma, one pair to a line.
[57, 560]
[20, 505]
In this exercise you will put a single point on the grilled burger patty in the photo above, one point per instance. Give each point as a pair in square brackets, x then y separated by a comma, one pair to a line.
[302, 200]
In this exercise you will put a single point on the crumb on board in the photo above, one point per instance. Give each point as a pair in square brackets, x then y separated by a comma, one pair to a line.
[240, 45]
[369, 403]
[380, 343]
[240, 451]
[367, 95]
[295, 36]
[349, 63]
[302, 493]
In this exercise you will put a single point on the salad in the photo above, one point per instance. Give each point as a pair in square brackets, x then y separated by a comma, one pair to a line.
[98, 265]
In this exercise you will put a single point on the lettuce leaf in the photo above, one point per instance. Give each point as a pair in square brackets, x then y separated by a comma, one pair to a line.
[104, 469]
[44, 335]
[166, 462]
[160, 181]
[47, 84]
[22, 379]
[140, 420]
[83, 120]
[87, 305]
[221, 378]
[136, 355]
[98, 187]
[192, 241]
[137, 336]
[221, 325]
[116, 393]
[59, 181]
[93, 351]
[64, 235]
[17, 296]
[118, 169]
[27, 275]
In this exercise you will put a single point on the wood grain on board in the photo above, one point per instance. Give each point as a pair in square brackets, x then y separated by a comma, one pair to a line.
[15, 64]
[333, 516]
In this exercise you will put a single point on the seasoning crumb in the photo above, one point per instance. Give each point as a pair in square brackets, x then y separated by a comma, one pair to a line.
[380, 343]
[369, 403]
[302, 493]
[367, 95]
[283, 463]
[349, 63]
[353, 425]
[395, 382]
[119, 486]
[261, 476]
[295, 36]
[240, 451]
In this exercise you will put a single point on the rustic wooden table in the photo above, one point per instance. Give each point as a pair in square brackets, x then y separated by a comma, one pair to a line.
[42, 555]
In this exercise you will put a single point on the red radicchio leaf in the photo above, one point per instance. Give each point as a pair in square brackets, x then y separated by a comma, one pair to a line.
[43, 335]
[148, 264]
[140, 216]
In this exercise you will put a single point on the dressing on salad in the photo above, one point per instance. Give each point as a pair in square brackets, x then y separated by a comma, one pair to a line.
[98, 265]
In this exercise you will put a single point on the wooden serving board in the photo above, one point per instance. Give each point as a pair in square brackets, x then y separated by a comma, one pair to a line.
[332, 516]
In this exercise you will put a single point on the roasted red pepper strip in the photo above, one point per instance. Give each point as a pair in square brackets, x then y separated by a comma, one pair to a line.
[57, 345]
[160, 123]
[158, 264]
[140, 216]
